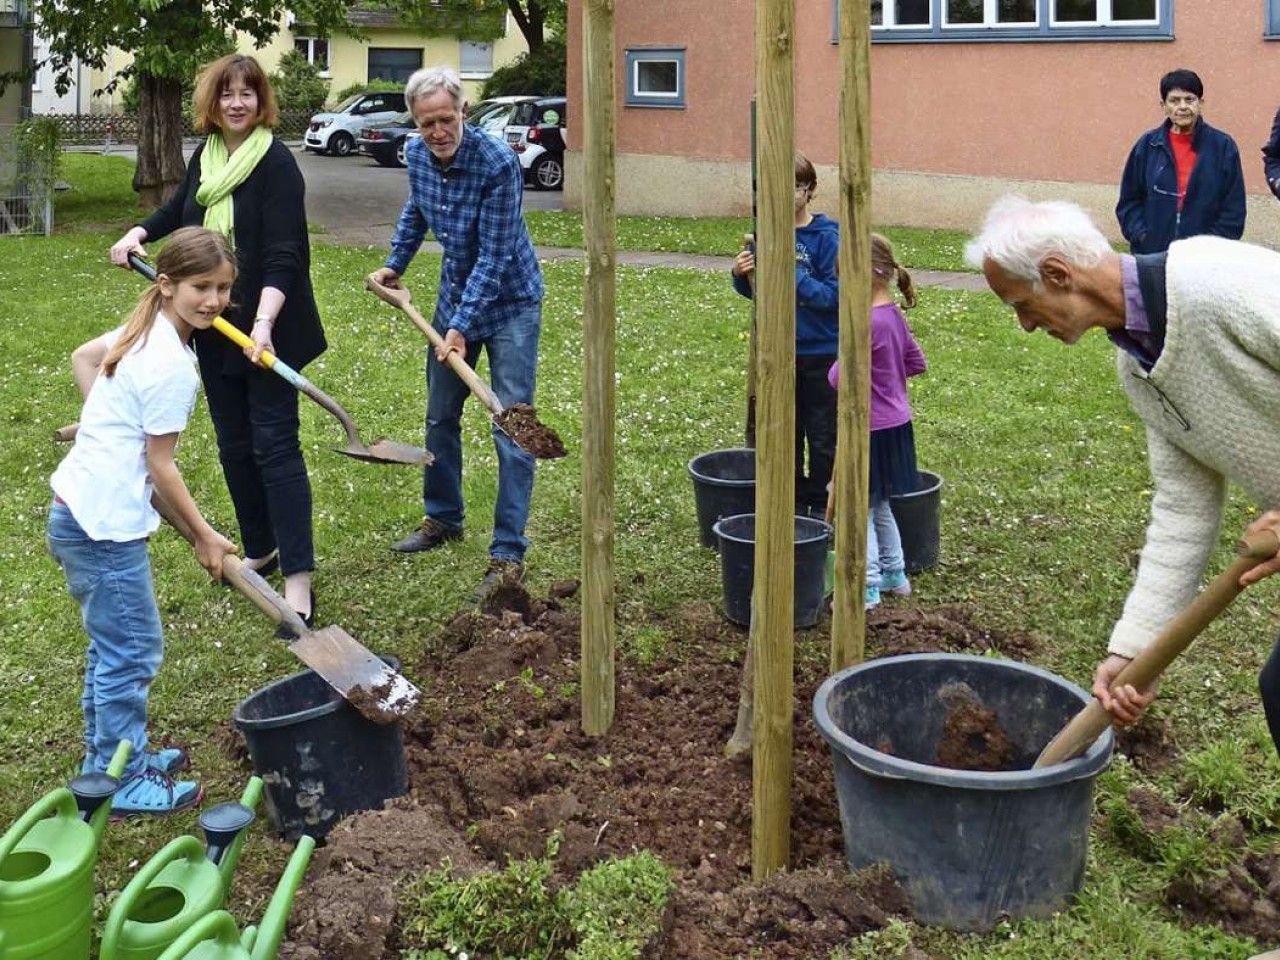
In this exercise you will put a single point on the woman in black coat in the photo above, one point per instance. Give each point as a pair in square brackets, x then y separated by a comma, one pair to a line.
[245, 183]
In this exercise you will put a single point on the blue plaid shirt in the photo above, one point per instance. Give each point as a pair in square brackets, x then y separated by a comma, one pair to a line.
[490, 273]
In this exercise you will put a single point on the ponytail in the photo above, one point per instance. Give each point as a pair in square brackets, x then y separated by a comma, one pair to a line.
[136, 328]
[906, 286]
[885, 266]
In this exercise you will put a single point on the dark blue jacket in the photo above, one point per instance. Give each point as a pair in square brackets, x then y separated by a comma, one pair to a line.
[817, 289]
[1271, 156]
[1214, 203]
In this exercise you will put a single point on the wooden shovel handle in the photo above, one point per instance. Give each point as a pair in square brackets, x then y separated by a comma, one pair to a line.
[66, 434]
[1143, 670]
[259, 592]
[400, 298]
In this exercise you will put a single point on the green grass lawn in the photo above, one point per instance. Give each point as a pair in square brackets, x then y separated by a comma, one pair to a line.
[1044, 506]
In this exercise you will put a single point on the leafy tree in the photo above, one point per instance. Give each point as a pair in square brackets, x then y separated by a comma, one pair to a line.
[298, 84]
[536, 18]
[539, 72]
[169, 39]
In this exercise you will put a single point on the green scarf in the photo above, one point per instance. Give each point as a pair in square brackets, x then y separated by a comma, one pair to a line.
[221, 173]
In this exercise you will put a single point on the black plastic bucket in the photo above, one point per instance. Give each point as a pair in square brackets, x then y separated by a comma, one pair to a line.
[319, 758]
[918, 517]
[724, 485]
[969, 847]
[737, 537]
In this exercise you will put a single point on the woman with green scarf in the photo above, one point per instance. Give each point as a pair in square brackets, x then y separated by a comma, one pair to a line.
[245, 184]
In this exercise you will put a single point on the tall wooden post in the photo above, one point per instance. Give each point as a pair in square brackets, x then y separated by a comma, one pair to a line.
[773, 600]
[599, 339]
[849, 618]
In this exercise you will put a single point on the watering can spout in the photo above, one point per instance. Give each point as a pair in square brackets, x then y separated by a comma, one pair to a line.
[224, 829]
[271, 929]
[91, 791]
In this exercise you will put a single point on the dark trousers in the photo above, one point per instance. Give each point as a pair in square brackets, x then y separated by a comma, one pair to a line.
[255, 415]
[815, 432]
[1269, 685]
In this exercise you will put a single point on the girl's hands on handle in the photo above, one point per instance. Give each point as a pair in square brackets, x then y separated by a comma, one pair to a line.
[210, 548]
[744, 264]
[1126, 704]
[131, 242]
[1268, 521]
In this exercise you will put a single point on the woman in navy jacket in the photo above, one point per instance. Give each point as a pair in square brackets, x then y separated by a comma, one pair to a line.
[1153, 211]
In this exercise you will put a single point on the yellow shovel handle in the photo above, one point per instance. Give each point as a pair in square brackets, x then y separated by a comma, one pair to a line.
[240, 339]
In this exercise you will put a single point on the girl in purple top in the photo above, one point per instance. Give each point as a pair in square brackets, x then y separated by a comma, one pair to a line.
[895, 357]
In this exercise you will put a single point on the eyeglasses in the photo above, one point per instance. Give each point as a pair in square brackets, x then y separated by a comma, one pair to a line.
[1166, 405]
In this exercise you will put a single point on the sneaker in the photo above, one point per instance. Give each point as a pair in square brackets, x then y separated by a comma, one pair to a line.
[430, 535]
[499, 572]
[155, 793]
[871, 597]
[895, 582]
[166, 760]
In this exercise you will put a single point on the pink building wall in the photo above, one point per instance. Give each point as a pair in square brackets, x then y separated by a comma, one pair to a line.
[1015, 111]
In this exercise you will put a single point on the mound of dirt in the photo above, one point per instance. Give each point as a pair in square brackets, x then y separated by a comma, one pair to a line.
[497, 762]
[972, 738]
[893, 630]
[1244, 900]
[1148, 744]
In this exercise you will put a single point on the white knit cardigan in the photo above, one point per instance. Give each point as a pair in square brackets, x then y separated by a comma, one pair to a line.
[1220, 371]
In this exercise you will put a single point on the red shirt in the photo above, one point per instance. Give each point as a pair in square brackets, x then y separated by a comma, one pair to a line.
[1184, 159]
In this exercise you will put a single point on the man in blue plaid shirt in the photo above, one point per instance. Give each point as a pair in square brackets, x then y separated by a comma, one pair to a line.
[466, 187]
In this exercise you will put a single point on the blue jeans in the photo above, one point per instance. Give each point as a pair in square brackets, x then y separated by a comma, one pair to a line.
[112, 583]
[884, 543]
[513, 365]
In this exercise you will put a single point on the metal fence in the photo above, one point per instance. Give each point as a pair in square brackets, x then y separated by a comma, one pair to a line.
[26, 190]
[85, 129]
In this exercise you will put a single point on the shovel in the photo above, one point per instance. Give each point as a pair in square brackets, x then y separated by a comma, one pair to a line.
[380, 451]
[1090, 723]
[372, 687]
[516, 421]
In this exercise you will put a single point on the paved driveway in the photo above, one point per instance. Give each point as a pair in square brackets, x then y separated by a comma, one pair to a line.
[357, 201]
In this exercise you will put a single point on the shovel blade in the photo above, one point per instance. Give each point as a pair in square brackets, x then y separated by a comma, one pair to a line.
[372, 687]
[389, 451]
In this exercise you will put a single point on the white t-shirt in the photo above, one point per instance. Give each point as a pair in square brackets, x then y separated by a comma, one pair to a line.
[104, 479]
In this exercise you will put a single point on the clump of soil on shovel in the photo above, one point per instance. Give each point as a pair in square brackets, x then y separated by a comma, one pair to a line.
[972, 738]
[520, 422]
[497, 763]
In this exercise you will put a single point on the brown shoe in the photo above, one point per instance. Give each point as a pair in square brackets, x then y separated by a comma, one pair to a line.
[499, 572]
[430, 535]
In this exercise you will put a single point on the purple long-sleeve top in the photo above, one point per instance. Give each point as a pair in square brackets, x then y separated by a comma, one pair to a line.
[895, 357]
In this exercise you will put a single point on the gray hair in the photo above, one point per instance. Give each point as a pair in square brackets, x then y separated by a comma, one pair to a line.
[428, 80]
[1019, 234]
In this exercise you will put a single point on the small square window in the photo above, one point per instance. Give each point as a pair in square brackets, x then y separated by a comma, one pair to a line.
[655, 77]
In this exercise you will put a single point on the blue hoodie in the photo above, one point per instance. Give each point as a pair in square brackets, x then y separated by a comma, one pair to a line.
[817, 290]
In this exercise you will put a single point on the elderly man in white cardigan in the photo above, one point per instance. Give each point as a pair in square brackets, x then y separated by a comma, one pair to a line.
[1198, 337]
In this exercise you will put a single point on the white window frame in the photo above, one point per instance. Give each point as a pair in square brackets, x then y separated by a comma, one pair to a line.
[634, 57]
[889, 18]
[311, 51]
[1104, 18]
[990, 19]
[475, 74]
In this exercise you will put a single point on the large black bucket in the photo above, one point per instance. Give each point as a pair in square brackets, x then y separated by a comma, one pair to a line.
[918, 517]
[969, 847]
[724, 485]
[318, 756]
[737, 536]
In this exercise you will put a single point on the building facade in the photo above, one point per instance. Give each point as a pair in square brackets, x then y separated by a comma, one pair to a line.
[970, 99]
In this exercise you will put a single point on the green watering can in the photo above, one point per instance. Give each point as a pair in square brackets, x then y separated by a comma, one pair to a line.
[215, 937]
[46, 868]
[180, 884]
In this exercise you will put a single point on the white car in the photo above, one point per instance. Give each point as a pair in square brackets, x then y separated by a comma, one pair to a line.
[492, 116]
[335, 131]
[536, 134]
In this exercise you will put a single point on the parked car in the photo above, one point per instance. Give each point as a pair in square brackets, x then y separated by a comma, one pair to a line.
[536, 133]
[492, 116]
[335, 131]
[385, 142]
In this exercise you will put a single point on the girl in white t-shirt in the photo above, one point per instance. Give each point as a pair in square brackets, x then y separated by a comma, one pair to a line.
[139, 383]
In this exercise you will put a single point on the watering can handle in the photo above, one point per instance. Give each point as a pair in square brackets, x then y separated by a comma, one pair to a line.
[276, 917]
[60, 801]
[219, 926]
[187, 847]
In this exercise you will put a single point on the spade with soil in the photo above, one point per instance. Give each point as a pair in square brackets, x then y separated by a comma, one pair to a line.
[1143, 670]
[519, 421]
[380, 451]
[367, 682]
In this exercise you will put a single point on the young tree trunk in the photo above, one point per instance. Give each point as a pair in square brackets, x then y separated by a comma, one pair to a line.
[530, 21]
[160, 166]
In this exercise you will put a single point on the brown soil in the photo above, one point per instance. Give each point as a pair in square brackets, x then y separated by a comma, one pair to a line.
[1148, 744]
[520, 422]
[1244, 900]
[1156, 813]
[972, 738]
[375, 702]
[497, 762]
[896, 629]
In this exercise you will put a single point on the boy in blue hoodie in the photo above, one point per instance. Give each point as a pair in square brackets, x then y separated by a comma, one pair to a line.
[817, 325]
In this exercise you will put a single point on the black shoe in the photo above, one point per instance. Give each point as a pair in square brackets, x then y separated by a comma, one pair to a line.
[284, 633]
[499, 572]
[427, 537]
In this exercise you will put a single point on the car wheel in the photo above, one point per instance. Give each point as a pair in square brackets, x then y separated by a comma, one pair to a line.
[341, 144]
[548, 173]
[400, 151]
